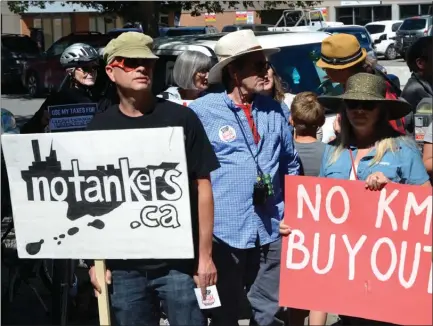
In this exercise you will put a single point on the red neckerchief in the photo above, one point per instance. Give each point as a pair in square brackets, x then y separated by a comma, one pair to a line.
[248, 113]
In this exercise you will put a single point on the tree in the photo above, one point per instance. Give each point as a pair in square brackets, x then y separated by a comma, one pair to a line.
[147, 12]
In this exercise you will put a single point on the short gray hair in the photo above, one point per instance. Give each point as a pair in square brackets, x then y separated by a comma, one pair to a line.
[187, 65]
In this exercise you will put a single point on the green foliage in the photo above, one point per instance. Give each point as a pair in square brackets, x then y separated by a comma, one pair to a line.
[124, 8]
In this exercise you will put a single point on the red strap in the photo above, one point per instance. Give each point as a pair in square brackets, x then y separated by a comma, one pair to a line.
[353, 165]
[248, 113]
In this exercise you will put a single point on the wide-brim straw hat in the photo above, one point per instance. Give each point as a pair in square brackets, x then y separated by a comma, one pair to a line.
[367, 87]
[232, 46]
[341, 51]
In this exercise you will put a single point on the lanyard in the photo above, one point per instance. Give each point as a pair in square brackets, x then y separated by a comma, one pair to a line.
[353, 165]
[255, 158]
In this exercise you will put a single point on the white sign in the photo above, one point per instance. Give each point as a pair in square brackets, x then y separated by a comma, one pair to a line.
[360, 3]
[250, 17]
[119, 194]
[211, 300]
[71, 117]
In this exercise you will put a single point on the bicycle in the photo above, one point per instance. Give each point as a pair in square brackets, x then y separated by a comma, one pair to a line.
[21, 271]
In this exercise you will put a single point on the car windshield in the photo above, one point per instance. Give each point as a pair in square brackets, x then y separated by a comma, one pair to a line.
[413, 24]
[375, 29]
[296, 65]
[20, 44]
[180, 32]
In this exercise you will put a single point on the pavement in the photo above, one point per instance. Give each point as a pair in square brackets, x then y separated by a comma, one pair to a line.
[26, 308]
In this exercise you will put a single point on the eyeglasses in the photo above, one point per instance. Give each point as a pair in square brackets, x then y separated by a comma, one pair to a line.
[362, 105]
[131, 64]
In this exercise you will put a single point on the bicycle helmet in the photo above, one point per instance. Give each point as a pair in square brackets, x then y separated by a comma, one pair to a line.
[78, 53]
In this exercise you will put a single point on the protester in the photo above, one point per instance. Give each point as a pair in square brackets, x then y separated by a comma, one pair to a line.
[251, 137]
[419, 86]
[428, 151]
[343, 57]
[368, 148]
[190, 73]
[136, 284]
[80, 62]
[307, 116]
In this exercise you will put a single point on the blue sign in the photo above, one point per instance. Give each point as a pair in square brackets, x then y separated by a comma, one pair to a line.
[71, 117]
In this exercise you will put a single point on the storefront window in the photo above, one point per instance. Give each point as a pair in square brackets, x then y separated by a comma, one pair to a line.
[382, 13]
[66, 26]
[344, 15]
[408, 11]
[424, 9]
[48, 32]
[363, 15]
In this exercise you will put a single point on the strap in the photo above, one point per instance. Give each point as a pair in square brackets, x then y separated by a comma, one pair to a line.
[353, 165]
[259, 170]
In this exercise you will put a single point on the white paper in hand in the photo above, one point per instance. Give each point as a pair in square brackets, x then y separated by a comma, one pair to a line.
[212, 298]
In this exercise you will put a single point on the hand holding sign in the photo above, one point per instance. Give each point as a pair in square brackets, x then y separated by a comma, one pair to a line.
[376, 181]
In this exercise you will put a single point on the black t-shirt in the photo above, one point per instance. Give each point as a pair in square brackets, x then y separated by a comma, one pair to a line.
[201, 161]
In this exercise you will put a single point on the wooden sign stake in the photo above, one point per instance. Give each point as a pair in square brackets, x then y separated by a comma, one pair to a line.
[103, 299]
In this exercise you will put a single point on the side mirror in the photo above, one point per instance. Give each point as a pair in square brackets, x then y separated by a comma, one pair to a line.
[377, 41]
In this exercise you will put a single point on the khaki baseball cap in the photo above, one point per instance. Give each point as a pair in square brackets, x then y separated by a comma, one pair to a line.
[130, 45]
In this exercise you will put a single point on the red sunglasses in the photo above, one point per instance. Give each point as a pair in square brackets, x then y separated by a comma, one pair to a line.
[130, 64]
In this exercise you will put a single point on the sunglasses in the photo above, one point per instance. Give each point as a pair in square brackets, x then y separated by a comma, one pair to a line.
[88, 69]
[363, 105]
[131, 64]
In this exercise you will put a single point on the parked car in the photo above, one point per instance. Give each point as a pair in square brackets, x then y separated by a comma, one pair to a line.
[383, 34]
[16, 51]
[254, 27]
[191, 30]
[45, 72]
[412, 29]
[360, 32]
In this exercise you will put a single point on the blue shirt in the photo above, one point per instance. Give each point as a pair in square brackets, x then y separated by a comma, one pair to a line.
[404, 166]
[237, 221]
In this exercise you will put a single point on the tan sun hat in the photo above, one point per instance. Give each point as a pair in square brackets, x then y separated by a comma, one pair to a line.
[232, 46]
[130, 45]
[370, 88]
[341, 51]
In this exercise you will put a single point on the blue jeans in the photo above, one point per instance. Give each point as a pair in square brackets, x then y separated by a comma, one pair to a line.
[136, 298]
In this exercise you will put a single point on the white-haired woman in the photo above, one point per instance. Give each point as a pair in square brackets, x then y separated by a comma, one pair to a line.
[190, 75]
[368, 148]
[80, 62]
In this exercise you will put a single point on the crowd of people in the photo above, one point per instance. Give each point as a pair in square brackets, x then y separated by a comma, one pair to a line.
[241, 138]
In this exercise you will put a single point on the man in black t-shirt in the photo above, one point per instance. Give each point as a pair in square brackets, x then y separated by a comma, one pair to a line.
[136, 283]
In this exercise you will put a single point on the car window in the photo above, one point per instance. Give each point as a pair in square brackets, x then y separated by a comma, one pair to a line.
[296, 65]
[375, 29]
[228, 29]
[58, 48]
[413, 24]
[20, 44]
[395, 26]
[363, 37]
[260, 28]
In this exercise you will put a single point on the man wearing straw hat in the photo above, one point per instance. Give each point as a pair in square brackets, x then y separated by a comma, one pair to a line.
[251, 137]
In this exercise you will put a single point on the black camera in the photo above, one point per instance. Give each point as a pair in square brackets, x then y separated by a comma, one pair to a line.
[260, 193]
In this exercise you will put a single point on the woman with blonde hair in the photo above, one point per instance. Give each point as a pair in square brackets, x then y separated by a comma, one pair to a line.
[368, 148]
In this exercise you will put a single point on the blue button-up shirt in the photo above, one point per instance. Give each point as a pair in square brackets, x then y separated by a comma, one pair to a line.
[237, 221]
[404, 166]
